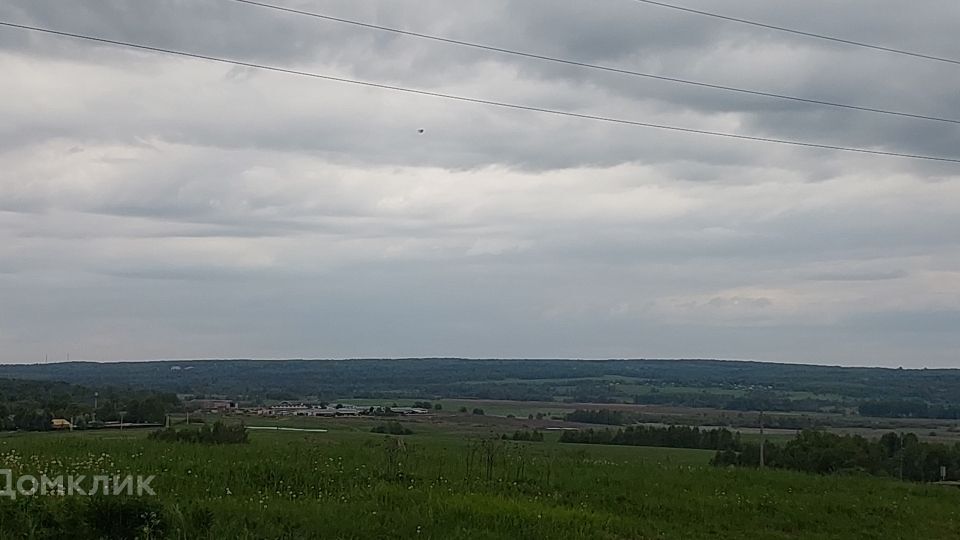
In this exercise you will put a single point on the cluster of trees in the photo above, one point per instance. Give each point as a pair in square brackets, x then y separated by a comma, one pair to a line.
[599, 416]
[24, 418]
[757, 400]
[427, 405]
[662, 436]
[909, 408]
[530, 436]
[151, 409]
[392, 428]
[32, 405]
[519, 391]
[778, 421]
[218, 433]
[894, 455]
[773, 401]
[382, 411]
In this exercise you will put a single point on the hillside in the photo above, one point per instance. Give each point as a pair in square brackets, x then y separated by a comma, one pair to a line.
[732, 385]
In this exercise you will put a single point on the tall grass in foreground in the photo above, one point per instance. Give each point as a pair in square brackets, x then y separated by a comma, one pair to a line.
[285, 485]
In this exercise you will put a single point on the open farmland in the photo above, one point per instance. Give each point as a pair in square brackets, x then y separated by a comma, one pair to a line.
[350, 484]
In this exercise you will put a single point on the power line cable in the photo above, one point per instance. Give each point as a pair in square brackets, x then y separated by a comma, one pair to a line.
[500, 104]
[800, 32]
[595, 66]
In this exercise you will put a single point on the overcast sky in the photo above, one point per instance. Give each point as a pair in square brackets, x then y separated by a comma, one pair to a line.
[158, 207]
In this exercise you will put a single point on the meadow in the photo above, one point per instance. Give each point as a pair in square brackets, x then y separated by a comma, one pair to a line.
[352, 484]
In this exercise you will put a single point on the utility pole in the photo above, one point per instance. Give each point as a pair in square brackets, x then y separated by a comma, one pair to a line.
[763, 440]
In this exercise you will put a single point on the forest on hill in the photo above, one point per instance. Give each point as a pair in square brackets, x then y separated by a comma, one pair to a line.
[730, 385]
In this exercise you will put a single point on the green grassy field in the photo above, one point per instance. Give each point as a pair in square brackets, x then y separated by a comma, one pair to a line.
[352, 484]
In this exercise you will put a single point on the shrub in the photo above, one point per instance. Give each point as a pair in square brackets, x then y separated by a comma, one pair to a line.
[531, 436]
[218, 433]
[392, 428]
[134, 517]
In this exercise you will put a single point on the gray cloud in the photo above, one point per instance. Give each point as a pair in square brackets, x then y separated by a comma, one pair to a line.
[162, 207]
[859, 276]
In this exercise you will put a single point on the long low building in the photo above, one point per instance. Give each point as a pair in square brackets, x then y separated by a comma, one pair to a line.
[210, 405]
[285, 408]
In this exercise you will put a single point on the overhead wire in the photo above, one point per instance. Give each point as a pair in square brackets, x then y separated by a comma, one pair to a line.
[598, 67]
[452, 97]
[800, 32]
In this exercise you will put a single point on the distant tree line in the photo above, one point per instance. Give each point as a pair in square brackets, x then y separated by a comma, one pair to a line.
[909, 408]
[773, 402]
[662, 436]
[893, 455]
[752, 401]
[740, 386]
[600, 416]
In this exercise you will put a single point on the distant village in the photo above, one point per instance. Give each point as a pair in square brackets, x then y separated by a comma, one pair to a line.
[289, 408]
[226, 406]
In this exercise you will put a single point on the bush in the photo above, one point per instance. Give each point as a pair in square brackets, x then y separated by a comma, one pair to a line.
[392, 428]
[115, 517]
[531, 436]
[81, 518]
[218, 433]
